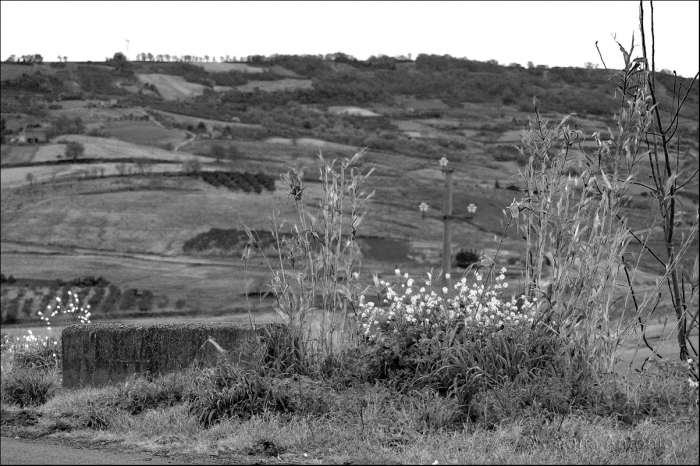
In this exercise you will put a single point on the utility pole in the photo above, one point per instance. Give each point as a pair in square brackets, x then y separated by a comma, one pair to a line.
[447, 219]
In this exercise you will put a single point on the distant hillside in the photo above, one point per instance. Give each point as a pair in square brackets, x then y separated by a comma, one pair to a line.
[160, 141]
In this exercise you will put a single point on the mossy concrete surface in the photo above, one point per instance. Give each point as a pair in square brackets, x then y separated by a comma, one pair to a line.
[104, 353]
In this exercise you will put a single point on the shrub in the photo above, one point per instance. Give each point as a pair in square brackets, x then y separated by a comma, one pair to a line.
[74, 150]
[464, 259]
[145, 303]
[32, 352]
[191, 166]
[140, 393]
[379, 143]
[27, 306]
[28, 387]
[227, 391]
[430, 337]
[112, 298]
[318, 262]
[129, 298]
[11, 312]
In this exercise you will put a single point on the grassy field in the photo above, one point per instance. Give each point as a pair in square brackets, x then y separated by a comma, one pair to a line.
[188, 120]
[226, 67]
[144, 133]
[277, 85]
[13, 71]
[174, 87]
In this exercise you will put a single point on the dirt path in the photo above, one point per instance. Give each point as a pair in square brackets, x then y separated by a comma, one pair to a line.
[21, 451]
[180, 145]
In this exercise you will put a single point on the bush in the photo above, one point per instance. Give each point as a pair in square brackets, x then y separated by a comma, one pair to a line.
[38, 353]
[141, 393]
[448, 339]
[74, 150]
[228, 240]
[227, 391]
[146, 302]
[464, 259]
[11, 312]
[378, 143]
[28, 387]
[129, 298]
[112, 298]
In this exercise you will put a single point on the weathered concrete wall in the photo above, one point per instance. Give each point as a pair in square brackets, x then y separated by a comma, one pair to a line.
[99, 354]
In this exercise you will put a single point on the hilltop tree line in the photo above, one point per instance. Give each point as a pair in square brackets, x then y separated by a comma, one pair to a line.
[376, 80]
[31, 58]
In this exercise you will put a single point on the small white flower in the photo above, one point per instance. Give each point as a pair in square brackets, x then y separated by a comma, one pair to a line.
[444, 289]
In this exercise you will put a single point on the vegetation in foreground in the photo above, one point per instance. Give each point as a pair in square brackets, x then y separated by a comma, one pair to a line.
[435, 370]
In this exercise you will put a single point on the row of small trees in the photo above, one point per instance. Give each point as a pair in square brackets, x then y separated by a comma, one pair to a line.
[31, 58]
[183, 58]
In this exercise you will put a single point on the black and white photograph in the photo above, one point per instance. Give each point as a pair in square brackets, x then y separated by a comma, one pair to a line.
[344, 232]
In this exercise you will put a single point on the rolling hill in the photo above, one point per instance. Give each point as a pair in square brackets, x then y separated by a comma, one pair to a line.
[266, 117]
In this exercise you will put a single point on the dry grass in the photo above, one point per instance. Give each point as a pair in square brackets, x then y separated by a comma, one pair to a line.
[144, 133]
[363, 429]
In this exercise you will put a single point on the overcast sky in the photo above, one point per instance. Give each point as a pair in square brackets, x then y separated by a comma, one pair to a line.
[550, 33]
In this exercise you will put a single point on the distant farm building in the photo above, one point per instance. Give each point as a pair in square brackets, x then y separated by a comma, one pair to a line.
[33, 135]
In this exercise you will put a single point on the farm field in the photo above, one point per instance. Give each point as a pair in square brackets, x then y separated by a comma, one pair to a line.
[12, 71]
[189, 120]
[175, 87]
[286, 84]
[226, 67]
[347, 110]
[144, 133]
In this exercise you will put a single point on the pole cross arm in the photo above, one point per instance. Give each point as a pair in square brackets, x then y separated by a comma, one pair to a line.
[441, 216]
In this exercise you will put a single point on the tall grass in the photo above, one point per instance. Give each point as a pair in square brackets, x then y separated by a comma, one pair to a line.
[315, 279]
[578, 225]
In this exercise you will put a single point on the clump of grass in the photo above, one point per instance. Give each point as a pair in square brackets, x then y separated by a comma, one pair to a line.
[316, 279]
[31, 365]
[28, 387]
[227, 391]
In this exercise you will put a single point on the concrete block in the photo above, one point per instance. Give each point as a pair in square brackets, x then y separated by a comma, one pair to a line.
[103, 353]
